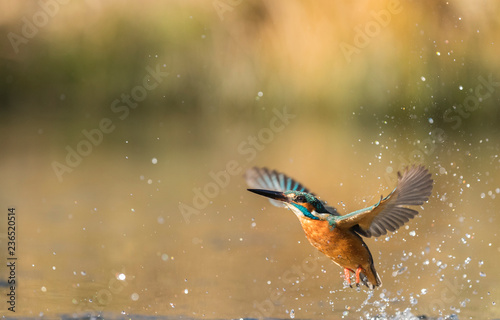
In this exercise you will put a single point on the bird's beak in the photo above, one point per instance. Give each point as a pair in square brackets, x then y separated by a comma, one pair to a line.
[270, 194]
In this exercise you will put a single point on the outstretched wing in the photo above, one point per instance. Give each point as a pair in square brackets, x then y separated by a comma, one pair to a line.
[390, 213]
[263, 178]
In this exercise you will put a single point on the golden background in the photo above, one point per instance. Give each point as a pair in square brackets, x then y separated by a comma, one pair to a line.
[104, 187]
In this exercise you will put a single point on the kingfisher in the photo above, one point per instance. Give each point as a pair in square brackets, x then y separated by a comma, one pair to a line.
[339, 236]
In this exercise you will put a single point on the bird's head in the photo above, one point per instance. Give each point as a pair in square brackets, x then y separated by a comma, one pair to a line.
[303, 204]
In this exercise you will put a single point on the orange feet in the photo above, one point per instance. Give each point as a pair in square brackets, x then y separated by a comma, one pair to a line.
[347, 276]
[358, 271]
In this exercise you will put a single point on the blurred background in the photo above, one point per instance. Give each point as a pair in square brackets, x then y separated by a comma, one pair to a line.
[127, 127]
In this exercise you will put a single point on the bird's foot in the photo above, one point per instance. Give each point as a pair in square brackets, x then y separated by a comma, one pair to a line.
[347, 277]
[358, 271]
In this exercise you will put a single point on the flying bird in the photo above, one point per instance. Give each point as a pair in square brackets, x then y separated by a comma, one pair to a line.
[339, 236]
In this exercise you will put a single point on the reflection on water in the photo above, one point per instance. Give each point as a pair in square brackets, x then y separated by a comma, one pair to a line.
[111, 237]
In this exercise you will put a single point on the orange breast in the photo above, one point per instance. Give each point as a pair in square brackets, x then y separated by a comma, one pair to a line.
[344, 247]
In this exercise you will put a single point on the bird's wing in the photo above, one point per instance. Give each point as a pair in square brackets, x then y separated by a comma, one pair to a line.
[263, 178]
[390, 213]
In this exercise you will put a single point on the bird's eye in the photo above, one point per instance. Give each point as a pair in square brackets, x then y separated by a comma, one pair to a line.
[300, 199]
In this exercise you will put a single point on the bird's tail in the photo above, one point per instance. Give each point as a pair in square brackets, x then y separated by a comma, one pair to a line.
[370, 278]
